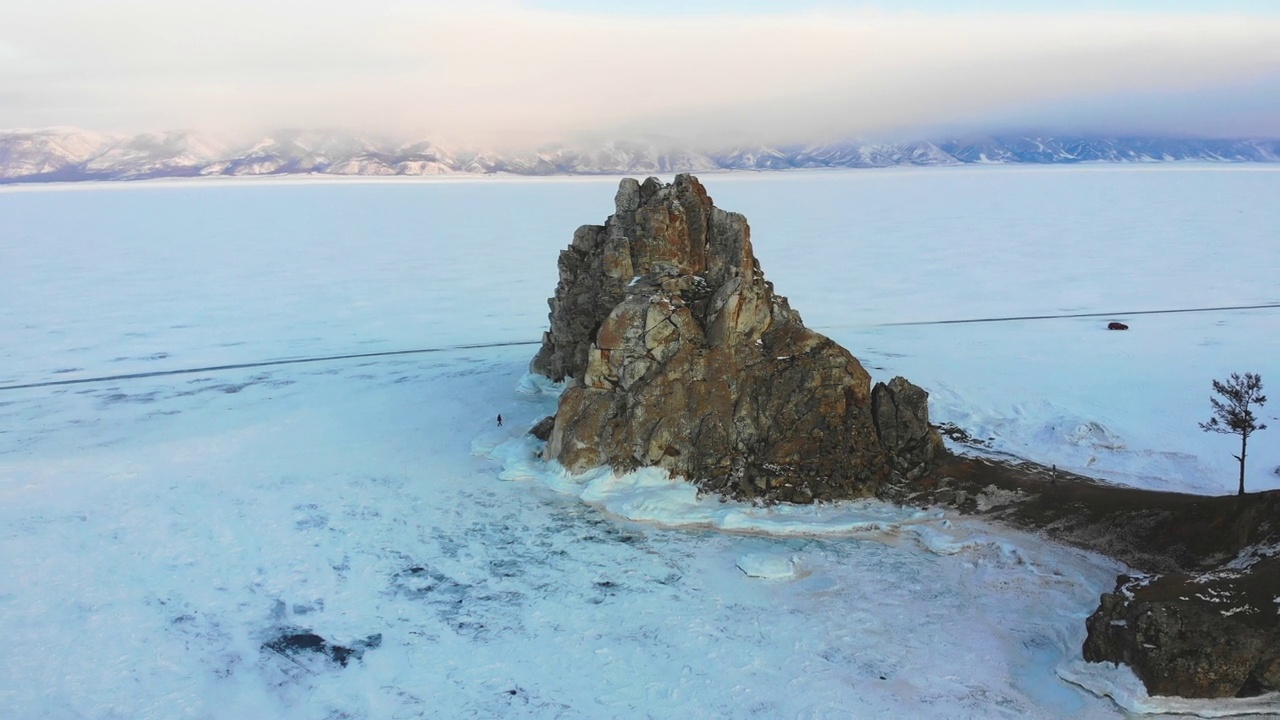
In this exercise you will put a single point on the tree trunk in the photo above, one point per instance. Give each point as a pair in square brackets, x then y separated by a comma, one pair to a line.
[1244, 441]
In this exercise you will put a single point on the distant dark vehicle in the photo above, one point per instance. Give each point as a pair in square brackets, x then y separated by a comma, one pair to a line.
[1117, 326]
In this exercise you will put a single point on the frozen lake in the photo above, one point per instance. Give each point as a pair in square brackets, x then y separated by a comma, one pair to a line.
[161, 529]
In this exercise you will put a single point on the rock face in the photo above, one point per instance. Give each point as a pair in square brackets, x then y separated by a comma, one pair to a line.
[683, 357]
[1200, 635]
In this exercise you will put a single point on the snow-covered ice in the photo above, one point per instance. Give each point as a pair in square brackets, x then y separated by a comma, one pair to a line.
[158, 531]
[767, 566]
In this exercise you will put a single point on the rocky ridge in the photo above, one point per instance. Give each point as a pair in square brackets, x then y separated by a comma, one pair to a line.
[682, 356]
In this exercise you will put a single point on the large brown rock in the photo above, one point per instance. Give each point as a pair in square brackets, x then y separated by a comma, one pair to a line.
[1205, 635]
[681, 356]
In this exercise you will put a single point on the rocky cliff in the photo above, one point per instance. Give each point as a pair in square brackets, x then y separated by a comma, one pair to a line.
[1194, 634]
[682, 356]
[1206, 622]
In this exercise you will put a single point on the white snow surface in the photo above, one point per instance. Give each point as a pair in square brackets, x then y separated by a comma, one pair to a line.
[158, 530]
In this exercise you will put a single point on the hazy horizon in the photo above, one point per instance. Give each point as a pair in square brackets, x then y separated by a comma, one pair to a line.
[527, 74]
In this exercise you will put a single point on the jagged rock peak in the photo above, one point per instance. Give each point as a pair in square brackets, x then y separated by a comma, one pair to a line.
[657, 231]
[683, 357]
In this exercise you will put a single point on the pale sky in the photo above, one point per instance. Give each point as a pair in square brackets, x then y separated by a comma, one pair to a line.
[505, 72]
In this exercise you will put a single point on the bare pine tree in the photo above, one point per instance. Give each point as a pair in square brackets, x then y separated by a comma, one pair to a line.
[1232, 415]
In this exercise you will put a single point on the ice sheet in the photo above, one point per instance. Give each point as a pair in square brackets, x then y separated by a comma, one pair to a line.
[157, 531]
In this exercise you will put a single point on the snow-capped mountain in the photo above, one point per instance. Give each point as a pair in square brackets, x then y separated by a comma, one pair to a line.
[1025, 149]
[45, 153]
[69, 154]
[155, 154]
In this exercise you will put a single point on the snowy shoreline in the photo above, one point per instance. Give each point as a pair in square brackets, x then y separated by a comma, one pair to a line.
[650, 496]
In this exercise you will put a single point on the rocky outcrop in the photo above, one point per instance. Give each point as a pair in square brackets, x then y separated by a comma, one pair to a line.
[542, 429]
[1203, 617]
[682, 356]
[1205, 635]
[1210, 626]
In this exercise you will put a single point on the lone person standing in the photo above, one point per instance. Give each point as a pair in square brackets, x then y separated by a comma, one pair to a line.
[499, 420]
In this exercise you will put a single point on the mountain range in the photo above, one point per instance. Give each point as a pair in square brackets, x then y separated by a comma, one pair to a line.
[61, 154]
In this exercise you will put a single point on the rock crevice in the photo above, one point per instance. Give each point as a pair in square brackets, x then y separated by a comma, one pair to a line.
[682, 356]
